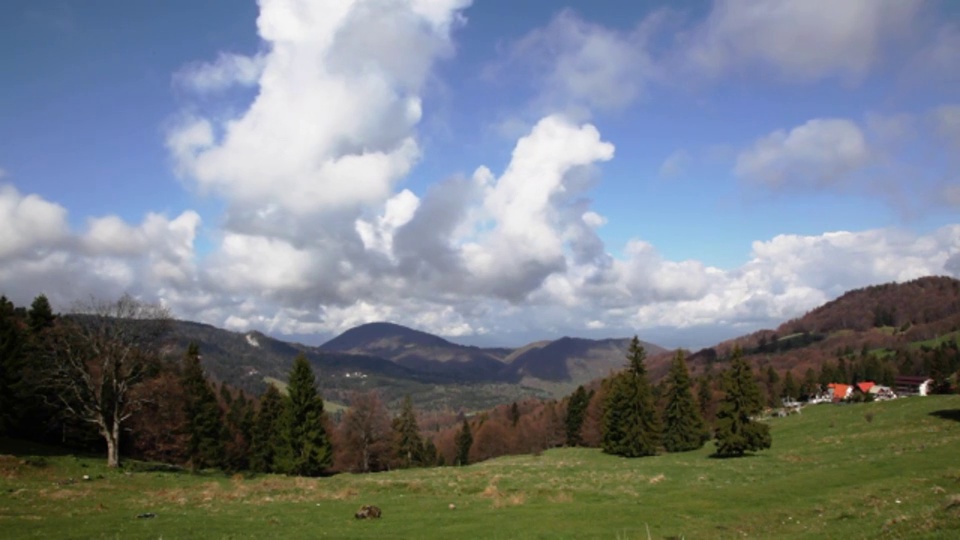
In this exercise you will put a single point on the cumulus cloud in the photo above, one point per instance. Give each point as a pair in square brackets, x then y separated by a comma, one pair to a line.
[338, 99]
[29, 223]
[819, 153]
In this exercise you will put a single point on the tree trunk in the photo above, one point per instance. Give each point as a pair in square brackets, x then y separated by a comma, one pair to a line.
[112, 436]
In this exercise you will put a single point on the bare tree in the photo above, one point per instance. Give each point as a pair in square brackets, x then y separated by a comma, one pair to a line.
[366, 433]
[98, 355]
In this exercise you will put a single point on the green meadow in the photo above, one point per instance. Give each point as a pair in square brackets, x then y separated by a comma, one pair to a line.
[875, 470]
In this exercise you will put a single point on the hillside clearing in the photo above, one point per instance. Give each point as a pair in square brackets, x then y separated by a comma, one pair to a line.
[877, 469]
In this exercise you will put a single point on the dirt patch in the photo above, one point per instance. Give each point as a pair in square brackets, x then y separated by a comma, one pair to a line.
[658, 478]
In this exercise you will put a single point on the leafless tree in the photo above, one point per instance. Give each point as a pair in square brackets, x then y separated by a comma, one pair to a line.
[366, 433]
[98, 355]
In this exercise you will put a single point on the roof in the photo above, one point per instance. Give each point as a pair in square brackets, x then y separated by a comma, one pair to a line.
[840, 391]
[865, 386]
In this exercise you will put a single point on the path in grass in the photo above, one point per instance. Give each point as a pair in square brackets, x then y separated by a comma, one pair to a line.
[873, 470]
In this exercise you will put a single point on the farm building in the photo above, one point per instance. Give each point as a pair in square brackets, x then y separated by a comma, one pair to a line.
[840, 392]
[912, 385]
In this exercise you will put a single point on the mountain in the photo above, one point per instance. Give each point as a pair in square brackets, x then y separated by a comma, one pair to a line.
[565, 363]
[420, 351]
[878, 321]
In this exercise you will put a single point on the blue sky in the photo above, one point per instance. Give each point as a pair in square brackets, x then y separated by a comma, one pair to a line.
[493, 173]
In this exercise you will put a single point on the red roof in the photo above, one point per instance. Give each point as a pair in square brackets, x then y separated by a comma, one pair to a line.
[865, 386]
[839, 390]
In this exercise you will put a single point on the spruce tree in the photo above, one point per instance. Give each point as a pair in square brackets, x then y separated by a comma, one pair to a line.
[407, 444]
[40, 317]
[790, 389]
[205, 430]
[737, 433]
[631, 423]
[464, 441]
[309, 452]
[683, 426]
[12, 346]
[576, 412]
[267, 432]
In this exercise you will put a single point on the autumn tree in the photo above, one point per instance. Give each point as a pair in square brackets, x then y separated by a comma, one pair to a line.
[576, 412]
[308, 452]
[631, 423]
[267, 434]
[365, 432]
[737, 432]
[464, 441]
[98, 356]
[407, 443]
[205, 429]
[683, 426]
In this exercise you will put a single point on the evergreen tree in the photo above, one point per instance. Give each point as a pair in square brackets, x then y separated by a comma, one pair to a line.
[309, 452]
[40, 317]
[704, 397]
[205, 429]
[683, 426]
[810, 384]
[240, 417]
[514, 414]
[407, 444]
[12, 345]
[464, 441]
[431, 456]
[576, 412]
[773, 388]
[790, 389]
[267, 433]
[736, 432]
[631, 423]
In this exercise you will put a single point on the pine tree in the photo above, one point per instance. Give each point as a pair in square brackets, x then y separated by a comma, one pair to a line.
[514, 414]
[407, 444]
[205, 429]
[683, 426]
[705, 397]
[309, 452]
[239, 430]
[464, 441]
[40, 317]
[790, 389]
[267, 431]
[736, 432]
[773, 388]
[12, 346]
[631, 423]
[576, 411]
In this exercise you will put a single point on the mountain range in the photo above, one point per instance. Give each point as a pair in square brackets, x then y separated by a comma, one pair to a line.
[437, 373]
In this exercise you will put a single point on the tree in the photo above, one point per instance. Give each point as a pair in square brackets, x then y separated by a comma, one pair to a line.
[366, 433]
[407, 444]
[309, 452]
[238, 433]
[40, 317]
[631, 423]
[514, 414]
[267, 436]
[205, 429]
[737, 433]
[97, 357]
[464, 441]
[683, 426]
[773, 389]
[790, 388]
[12, 344]
[576, 411]
[705, 399]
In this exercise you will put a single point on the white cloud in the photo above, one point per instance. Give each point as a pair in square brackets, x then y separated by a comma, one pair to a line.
[228, 70]
[821, 152]
[28, 222]
[332, 125]
[797, 40]
[398, 211]
[947, 120]
[675, 164]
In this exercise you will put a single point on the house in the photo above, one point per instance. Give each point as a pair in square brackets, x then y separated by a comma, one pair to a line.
[840, 392]
[881, 393]
[913, 385]
[864, 387]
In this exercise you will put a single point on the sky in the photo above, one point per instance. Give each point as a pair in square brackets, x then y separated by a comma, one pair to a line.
[493, 172]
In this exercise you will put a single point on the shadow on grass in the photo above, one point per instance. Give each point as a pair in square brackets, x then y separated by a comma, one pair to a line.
[947, 414]
[733, 456]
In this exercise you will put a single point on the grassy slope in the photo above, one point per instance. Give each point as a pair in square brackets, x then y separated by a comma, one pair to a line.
[831, 474]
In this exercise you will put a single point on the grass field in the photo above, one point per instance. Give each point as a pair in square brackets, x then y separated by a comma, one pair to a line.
[889, 470]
